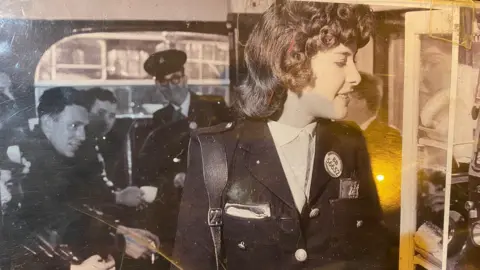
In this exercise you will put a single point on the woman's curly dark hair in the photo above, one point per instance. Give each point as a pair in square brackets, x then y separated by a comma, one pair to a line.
[281, 45]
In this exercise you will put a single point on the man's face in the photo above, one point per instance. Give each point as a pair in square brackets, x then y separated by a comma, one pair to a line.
[335, 75]
[174, 87]
[66, 131]
[357, 108]
[102, 117]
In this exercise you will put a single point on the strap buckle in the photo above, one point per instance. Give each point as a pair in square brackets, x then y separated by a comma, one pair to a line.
[215, 217]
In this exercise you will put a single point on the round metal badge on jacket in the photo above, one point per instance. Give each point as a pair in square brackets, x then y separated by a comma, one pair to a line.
[333, 164]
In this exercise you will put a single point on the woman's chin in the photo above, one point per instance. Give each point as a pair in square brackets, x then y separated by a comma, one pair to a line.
[337, 116]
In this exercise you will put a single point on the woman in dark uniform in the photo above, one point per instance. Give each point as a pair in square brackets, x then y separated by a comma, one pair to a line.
[300, 192]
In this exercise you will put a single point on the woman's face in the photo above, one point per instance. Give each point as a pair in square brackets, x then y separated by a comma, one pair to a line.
[335, 75]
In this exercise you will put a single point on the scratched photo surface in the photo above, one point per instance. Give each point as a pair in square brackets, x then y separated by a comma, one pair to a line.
[116, 117]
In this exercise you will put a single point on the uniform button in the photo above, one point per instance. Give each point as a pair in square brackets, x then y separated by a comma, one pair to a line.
[314, 212]
[301, 255]
[241, 245]
[359, 223]
[193, 125]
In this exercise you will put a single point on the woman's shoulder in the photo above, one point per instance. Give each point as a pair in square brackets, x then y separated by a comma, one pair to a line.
[215, 129]
[224, 128]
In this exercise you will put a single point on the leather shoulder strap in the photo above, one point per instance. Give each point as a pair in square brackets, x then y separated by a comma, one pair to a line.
[215, 175]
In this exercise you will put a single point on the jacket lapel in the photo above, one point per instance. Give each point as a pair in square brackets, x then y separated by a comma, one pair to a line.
[325, 142]
[262, 160]
[195, 111]
[193, 104]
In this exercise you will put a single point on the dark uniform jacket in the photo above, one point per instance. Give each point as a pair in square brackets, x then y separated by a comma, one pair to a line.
[164, 151]
[54, 192]
[204, 111]
[164, 155]
[330, 233]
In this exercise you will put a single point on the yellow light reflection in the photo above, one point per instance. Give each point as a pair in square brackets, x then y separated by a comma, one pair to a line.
[388, 191]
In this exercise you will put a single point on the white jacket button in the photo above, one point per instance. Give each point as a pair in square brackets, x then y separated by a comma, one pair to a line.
[314, 212]
[301, 255]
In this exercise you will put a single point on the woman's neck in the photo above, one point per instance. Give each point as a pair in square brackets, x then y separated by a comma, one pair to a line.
[293, 114]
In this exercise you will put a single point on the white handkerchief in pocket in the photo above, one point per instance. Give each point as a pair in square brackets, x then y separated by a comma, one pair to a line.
[257, 211]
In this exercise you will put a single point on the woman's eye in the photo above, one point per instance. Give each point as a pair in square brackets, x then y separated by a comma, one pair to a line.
[341, 64]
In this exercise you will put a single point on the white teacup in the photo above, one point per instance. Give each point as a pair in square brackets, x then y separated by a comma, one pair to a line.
[150, 193]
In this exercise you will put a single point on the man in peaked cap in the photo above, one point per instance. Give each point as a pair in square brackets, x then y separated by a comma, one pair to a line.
[167, 67]
[163, 155]
[185, 111]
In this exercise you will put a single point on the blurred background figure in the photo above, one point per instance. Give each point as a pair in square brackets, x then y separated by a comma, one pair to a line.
[12, 119]
[384, 145]
[435, 102]
[5, 86]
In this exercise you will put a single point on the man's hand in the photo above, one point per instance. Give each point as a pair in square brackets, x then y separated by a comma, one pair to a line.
[139, 243]
[179, 180]
[95, 263]
[130, 196]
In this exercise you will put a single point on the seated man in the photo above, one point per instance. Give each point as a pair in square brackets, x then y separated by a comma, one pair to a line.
[100, 154]
[56, 194]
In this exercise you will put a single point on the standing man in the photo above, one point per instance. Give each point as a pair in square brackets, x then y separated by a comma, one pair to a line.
[167, 67]
[384, 145]
[55, 189]
[163, 156]
[166, 145]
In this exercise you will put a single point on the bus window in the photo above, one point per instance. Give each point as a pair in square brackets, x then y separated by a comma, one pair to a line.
[115, 61]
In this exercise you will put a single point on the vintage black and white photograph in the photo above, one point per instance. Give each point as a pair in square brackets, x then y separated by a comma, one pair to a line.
[249, 134]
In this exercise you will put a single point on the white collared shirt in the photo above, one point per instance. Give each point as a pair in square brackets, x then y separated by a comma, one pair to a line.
[293, 147]
[184, 108]
[367, 123]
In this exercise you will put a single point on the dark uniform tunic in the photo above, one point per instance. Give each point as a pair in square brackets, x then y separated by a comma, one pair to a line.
[54, 191]
[331, 232]
[164, 155]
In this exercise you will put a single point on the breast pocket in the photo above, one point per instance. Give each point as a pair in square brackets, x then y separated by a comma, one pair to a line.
[357, 232]
[352, 215]
[251, 231]
[249, 241]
